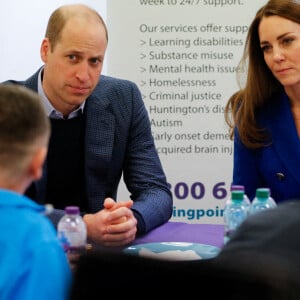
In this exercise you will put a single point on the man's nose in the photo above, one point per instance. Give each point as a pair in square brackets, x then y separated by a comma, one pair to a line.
[82, 72]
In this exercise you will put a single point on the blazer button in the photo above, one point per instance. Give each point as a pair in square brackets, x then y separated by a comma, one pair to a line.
[280, 176]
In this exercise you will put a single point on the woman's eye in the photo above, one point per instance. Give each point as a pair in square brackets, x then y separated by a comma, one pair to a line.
[287, 41]
[265, 48]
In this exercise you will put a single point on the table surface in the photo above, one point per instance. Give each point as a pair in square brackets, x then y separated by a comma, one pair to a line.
[210, 234]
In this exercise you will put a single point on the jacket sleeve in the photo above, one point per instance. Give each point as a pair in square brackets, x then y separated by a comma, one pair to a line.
[143, 172]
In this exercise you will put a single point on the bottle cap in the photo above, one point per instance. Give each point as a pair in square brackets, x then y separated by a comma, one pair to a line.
[72, 210]
[262, 192]
[237, 195]
[236, 187]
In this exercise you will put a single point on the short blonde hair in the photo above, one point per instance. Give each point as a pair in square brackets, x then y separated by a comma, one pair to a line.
[61, 15]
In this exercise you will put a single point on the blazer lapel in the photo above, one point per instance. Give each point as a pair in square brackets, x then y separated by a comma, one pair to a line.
[100, 127]
[284, 134]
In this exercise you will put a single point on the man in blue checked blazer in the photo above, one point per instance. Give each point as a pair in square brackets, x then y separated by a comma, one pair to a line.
[100, 131]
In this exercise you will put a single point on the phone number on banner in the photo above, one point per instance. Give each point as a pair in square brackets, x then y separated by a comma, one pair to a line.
[198, 191]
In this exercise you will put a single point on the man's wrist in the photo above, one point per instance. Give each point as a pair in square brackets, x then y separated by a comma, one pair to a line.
[141, 227]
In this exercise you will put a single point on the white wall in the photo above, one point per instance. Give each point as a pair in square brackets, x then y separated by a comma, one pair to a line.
[23, 24]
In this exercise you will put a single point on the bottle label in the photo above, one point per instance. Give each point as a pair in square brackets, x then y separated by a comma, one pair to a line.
[71, 242]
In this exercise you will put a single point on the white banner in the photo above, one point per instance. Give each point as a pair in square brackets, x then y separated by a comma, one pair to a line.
[183, 55]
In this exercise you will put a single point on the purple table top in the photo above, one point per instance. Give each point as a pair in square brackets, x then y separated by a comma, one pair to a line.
[210, 234]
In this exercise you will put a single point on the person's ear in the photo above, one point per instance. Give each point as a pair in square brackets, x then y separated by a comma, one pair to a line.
[45, 49]
[36, 166]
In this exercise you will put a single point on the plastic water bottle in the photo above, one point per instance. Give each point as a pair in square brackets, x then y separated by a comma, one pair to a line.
[262, 201]
[71, 231]
[235, 212]
[236, 187]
